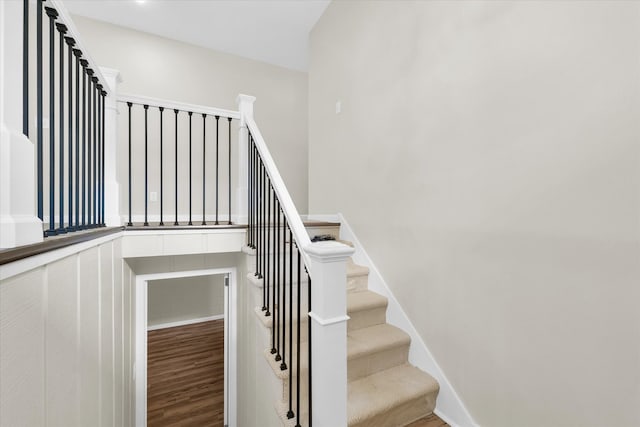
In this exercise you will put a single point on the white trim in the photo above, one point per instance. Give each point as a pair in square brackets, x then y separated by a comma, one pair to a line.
[185, 231]
[184, 322]
[330, 321]
[231, 339]
[449, 405]
[176, 105]
[17, 267]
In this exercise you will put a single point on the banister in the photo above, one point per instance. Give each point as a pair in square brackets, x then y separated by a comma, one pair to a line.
[176, 105]
[288, 207]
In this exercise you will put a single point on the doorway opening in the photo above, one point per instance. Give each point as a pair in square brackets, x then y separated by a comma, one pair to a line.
[185, 348]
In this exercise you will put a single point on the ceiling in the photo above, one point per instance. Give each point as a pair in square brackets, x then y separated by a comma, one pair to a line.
[272, 31]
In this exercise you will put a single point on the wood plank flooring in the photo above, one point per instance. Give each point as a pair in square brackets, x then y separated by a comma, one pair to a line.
[429, 421]
[185, 375]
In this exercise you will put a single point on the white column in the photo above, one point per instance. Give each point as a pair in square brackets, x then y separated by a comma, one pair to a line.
[245, 106]
[19, 224]
[329, 332]
[112, 187]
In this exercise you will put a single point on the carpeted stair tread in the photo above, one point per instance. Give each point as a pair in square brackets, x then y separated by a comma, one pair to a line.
[372, 400]
[378, 338]
[356, 269]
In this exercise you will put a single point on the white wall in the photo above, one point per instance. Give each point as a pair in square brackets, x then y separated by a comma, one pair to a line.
[487, 156]
[163, 68]
[66, 349]
[184, 299]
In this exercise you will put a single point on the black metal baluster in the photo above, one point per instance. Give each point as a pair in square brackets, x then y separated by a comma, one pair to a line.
[176, 166]
[104, 94]
[249, 194]
[97, 170]
[146, 167]
[85, 113]
[266, 209]
[290, 412]
[70, 43]
[52, 14]
[298, 345]
[25, 67]
[62, 29]
[77, 54]
[190, 115]
[94, 127]
[283, 365]
[89, 145]
[129, 105]
[39, 113]
[276, 281]
[204, 163]
[310, 397]
[161, 167]
[217, 167]
[273, 270]
[229, 169]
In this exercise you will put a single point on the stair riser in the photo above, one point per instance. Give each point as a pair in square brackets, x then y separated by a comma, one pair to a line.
[365, 318]
[403, 414]
[357, 283]
[376, 362]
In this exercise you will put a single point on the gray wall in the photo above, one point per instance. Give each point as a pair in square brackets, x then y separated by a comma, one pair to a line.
[185, 298]
[487, 156]
[158, 67]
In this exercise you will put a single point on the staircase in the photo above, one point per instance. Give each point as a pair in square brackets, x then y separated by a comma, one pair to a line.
[384, 389]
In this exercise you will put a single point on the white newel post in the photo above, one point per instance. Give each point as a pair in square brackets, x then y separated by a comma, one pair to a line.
[329, 332]
[245, 107]
[112, 188]
[19, 224]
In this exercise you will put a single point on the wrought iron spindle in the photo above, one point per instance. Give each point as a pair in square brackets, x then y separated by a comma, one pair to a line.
[190, 115]
[62, 30]
[146, 166]
[52, 14]
[77, 54]
[97, 170]
[217, 167]
[129, 105]
[204, 164]
[94, 127]
[283, 291]
[89, 144]
[290, 411]
[176, 166]
[276, 273]
[39, 113]
[229, 168]
[25, 67]
[70, 43]
[298, 345]
[104, 94]
[161, 168]
[84, 64]
[273, 270]
[266, 208]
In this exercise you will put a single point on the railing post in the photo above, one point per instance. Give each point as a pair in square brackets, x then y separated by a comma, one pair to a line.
[19, 224]
[112, 188]
[245, 107]
[329, 332]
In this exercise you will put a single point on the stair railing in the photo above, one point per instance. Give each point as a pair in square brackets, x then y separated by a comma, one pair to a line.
[284, 257]
[190, 149]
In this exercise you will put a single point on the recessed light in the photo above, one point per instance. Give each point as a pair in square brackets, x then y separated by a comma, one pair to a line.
[141, 1]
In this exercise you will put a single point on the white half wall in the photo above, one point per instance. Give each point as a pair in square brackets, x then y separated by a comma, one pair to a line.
[66, 339]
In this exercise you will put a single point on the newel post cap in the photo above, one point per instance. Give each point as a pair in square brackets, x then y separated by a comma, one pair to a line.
[328, 251]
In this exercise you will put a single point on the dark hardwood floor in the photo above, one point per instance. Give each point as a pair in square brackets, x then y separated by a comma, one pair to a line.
[185, 375]
[429, 421]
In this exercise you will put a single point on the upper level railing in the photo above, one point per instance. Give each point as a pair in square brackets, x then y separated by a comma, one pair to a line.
[180, 158]
[69, 113]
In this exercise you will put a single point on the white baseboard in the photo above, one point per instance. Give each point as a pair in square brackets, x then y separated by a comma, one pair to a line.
[449, 406]
[184, 322]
